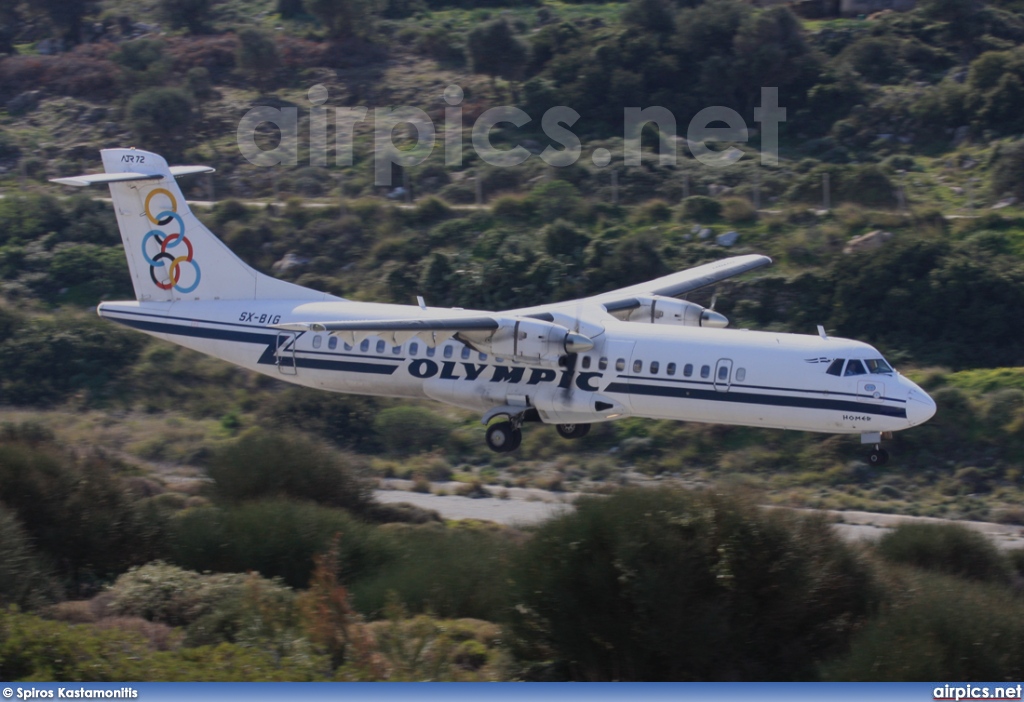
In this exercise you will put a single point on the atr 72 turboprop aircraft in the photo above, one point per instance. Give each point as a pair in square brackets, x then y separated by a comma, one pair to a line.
[638, 351]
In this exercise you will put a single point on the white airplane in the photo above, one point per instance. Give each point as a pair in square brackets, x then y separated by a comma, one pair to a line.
[637, 351]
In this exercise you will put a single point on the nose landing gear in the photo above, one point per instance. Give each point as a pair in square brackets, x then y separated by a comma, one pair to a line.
[878, 456]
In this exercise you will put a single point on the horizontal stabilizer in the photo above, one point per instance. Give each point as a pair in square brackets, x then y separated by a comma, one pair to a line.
[104, 178]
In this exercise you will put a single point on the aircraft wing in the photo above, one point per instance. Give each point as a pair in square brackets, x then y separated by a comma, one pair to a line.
[683, 282]
[531, 338]
[672, 285]
[432, 330]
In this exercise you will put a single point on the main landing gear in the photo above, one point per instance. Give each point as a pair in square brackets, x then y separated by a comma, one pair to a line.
[504, 431]
[572, 431]
[504, 435]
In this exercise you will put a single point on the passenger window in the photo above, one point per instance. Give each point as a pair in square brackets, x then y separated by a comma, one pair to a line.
[317, 340]
[602, 364]
[396, 350]
[620, 364]
[705, 371]
[465, 352]
[381, 346]
[431, 350]
[483, 357]
[332, 343]
[586, 362]
[688, 370]
[741, 375]
[836, 368]
[855, 367]
[414, 348]
[447, 351]
[638, 366]
[654, 367]
[348, 346]
[723, 373]
[365, 345]
[670, 369]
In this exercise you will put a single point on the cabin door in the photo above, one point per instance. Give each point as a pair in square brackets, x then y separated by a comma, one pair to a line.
[284, 353]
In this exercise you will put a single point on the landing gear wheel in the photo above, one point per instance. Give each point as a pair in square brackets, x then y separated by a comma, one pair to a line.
[517, 438]
[878, 457]
[501, 437]
[572, 431]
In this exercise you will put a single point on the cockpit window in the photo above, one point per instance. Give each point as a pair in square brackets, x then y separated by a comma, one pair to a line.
[878, 365]
[837, 367]
[855, 367]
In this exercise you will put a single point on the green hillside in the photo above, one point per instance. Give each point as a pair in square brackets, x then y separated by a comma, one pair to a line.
[126, 463]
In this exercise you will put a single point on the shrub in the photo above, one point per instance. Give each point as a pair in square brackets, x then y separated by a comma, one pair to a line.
[77, 510]
[945, 548]
[32, 648]
[937, 626]
[738, 209]
[160, 592]
[161, 118]
[263, 465]
[701, 208]
[275, 538]
[24, 580]
[407, 430]
[673, 585]
[429, 569]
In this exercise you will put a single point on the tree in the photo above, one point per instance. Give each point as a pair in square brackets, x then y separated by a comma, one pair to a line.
[161, 118]
[681, 585]
[258, 57]
[495, 51]
[344, 19]
[191, 14]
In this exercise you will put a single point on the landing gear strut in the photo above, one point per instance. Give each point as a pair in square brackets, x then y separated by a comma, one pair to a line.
[572, 431]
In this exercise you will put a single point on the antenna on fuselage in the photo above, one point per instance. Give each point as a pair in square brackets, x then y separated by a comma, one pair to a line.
[821, 332]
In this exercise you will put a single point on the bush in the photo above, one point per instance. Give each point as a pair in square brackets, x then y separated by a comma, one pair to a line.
[945, 548]
[938, 627]
[159, 592]
[161, 119]
[673, 585]
[430, 569]
[77, 510]
[701, 208]
[408, 430]
[263, 465]
[32, 648]
[738, 209]
[24, 580]
[275, 538]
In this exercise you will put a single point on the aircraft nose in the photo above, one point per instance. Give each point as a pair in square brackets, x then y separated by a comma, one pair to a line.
[920, 406]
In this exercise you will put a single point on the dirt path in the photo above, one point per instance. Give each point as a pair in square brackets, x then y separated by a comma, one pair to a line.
[529, 506]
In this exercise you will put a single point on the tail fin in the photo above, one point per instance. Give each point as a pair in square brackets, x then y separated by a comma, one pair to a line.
[171, 254]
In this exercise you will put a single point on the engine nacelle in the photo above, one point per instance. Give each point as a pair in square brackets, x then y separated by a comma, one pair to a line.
[656, 309]
[532, 341]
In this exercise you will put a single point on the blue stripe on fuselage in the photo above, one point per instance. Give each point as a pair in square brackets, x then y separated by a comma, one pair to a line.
[756, 399]
[268, 340]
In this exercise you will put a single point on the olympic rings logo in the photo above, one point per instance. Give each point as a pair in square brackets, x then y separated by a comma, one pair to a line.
[168, 241]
